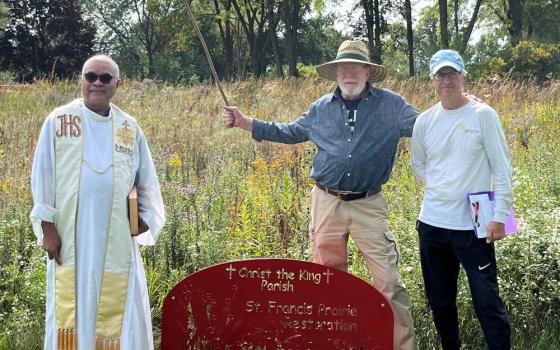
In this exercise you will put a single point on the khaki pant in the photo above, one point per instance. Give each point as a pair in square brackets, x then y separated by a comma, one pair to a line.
[367, 221]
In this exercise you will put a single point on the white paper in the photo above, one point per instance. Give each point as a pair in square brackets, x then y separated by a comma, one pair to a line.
[482, 212]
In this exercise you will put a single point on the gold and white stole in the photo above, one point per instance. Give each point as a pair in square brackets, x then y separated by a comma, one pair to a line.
[69, 157]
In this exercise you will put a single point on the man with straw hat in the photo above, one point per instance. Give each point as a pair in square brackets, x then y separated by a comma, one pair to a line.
[356, 130]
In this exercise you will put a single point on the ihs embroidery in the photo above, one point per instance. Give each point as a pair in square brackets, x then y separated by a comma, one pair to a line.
[69, 126]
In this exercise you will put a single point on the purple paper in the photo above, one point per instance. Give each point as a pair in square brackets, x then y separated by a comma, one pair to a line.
[510, 225]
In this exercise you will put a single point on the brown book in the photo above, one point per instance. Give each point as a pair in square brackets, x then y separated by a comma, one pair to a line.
[133, 211]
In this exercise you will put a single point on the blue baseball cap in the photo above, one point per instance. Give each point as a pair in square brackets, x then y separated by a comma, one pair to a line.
[446, 58]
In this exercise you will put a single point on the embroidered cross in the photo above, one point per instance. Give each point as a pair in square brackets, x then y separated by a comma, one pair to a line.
[125, 135]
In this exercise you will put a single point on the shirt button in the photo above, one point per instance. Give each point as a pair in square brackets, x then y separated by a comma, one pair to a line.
[348, 174]
[345, 123]
[349, 140]
[349, 156]
[343, 107]
[366, 98]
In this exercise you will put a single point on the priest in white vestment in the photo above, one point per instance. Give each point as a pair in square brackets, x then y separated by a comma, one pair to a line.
[88, 157]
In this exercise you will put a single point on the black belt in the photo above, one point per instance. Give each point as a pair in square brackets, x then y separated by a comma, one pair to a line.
[349, 196]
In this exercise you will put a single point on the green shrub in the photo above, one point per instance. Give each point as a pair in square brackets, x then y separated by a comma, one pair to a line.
[535, 60]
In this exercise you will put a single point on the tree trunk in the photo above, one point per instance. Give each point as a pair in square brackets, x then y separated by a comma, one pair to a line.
[248, 24]
[468, 31]
[228, 46]
[227, 37]
[273, 23]
[377, 48]
[367, 5]
[262, 39]
[456, 17]
[444, 34]
[515, 15]
[409, 37]
[239, 51]
[292, 9]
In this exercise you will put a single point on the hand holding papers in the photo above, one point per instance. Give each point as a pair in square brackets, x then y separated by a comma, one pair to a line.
[481, 207]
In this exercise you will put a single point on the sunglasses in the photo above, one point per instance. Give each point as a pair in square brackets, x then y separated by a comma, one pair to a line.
[103, 78]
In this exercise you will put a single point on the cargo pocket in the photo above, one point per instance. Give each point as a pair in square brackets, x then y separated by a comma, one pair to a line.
[393, 245]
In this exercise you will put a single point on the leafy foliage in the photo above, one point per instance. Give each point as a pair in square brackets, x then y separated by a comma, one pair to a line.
[44, 38]
[534, 60]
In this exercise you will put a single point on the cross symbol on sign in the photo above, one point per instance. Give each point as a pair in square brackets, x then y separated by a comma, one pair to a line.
[328, 274]
[231, 270]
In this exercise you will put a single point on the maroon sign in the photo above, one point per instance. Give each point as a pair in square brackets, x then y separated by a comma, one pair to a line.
[275, 304]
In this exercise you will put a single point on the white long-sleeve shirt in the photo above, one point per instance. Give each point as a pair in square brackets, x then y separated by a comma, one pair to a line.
[456, 152]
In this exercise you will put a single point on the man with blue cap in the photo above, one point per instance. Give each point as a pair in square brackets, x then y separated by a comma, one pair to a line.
[458, 147]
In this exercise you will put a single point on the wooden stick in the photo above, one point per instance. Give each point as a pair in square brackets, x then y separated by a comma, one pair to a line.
[208, 58]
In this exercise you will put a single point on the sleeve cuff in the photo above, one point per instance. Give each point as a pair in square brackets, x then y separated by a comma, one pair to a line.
[258, 130]
[41, 212]
[146, 238]
[44, 212]
[500, 217]
[155, 224]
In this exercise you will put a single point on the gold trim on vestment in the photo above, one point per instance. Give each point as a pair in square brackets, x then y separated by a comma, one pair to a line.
[107, 344]
[67, 339]
[65, 277]
[111, 305]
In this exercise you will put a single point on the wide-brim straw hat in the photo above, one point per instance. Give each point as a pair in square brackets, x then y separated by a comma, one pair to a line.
[353, 51]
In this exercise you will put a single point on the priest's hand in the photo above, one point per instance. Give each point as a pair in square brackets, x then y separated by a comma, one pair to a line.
[51, 241]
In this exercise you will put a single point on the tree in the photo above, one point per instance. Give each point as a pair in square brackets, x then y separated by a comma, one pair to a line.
[426, 39]
[318, 40]
[532, 20]
[223, 13]
[44, 38]
[138, 28]
[468, 31]
[409, 37]
[515, 15]
[373, 24]
[293, 12]
[252, 17]
[273, 11]
[443, 31]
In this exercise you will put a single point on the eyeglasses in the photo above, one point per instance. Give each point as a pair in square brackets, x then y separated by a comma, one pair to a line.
[103, 78]
[451, 75]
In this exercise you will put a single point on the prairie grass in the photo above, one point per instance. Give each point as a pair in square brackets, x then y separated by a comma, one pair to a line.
[228, 197]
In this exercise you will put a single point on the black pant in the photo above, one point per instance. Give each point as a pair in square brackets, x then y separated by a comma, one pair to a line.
[441, 251]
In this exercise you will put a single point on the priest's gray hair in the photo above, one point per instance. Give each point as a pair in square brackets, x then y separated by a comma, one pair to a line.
[102, 58]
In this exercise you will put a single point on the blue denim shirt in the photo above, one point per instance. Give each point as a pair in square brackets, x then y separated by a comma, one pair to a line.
[358, 162]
